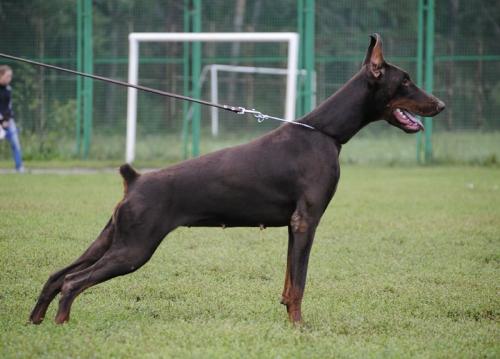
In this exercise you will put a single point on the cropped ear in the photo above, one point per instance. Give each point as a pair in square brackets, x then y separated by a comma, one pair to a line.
[374, 59]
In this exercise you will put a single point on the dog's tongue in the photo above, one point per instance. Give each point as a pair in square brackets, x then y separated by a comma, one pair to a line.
[406, 118]
[414, 119]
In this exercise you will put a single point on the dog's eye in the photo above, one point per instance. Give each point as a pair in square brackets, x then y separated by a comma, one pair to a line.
[406, 82]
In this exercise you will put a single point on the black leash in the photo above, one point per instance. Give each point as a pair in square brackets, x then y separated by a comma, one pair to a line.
[235, 109]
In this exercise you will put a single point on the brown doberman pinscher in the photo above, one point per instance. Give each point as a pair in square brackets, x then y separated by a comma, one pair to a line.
[284, 178]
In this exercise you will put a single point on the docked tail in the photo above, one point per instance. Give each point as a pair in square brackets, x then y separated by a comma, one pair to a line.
[129, 175]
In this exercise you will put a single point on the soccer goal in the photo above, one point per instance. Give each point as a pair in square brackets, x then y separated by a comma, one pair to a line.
[291, 39]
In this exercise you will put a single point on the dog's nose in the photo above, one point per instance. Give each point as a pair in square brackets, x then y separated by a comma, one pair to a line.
[440, 106]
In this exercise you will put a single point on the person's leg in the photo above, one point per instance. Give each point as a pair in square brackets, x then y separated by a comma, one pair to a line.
[13, 138]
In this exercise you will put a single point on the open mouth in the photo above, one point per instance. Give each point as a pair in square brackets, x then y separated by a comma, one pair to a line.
[407, 121]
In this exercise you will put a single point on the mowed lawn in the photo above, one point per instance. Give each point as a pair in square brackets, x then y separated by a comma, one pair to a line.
[406, 263]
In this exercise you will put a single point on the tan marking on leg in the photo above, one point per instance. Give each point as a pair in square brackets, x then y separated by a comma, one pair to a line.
[293, 305]
[298, 223]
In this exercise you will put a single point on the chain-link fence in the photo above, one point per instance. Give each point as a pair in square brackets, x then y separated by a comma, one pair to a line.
[466, 73]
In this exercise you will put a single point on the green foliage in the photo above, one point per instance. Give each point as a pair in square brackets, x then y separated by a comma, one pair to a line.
[46, 29]
[405, 264]
[387, 147]
[25, 91]
[63, 118]
[54, 141]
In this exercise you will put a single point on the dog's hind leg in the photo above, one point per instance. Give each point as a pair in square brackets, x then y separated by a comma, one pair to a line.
[55, 281]
[124, 256]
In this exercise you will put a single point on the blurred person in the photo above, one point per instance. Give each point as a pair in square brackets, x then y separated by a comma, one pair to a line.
[8, 129]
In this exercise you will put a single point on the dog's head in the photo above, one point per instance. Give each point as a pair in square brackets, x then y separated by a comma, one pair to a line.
[397, 99]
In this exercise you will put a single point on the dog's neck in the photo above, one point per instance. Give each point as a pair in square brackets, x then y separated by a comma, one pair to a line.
[344, 113]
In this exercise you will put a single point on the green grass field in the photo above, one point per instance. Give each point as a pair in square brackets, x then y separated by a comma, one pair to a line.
[406, 263]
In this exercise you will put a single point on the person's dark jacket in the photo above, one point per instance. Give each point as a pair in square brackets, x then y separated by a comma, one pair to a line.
[6, 111]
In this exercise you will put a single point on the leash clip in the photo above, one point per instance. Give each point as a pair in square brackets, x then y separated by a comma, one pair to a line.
[262, 117]
[257, 114]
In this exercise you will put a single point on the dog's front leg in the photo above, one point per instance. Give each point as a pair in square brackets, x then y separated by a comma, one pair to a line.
[300, 238]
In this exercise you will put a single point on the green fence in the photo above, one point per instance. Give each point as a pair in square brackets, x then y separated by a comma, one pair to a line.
[450, 47]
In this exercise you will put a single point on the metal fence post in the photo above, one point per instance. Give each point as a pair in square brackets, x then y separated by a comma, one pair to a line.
[420, 64]
[79, 44]
[185, 79]
[429, 75]
[88, 60]
[195, 81]
[309, 57]
[300, 84]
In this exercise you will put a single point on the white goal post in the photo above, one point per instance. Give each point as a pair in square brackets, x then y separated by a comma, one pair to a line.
[291, 38]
